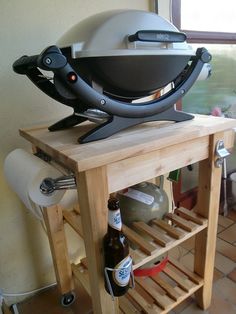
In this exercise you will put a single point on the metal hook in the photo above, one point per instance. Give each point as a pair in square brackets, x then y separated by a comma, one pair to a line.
[118, 269]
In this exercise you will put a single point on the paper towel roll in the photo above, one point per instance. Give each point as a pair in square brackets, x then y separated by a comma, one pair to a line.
[24, 173]
[69, 199]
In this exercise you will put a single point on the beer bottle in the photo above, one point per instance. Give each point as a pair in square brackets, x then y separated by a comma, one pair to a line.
[116, 252]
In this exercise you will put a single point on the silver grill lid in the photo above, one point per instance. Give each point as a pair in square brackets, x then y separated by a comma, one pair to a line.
[106, 34]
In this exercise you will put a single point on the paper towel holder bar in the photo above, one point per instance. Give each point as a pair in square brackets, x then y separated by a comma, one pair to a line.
[42, 155]
[49, 185]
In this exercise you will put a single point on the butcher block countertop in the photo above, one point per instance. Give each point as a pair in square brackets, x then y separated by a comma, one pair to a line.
[134, 141]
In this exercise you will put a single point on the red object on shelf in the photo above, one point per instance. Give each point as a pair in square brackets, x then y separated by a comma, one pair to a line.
[152, 270]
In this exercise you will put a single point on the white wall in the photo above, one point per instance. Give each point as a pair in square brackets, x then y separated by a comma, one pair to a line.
[27, 27]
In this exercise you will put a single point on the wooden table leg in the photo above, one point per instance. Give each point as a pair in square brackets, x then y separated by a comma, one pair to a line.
[207, 206]
[93, 196]
[55, 229]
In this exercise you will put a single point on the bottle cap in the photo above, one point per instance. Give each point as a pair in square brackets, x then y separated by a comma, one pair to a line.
[113, 203]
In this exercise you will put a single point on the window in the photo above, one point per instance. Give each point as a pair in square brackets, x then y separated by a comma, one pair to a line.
[211, 24]
[206, 21]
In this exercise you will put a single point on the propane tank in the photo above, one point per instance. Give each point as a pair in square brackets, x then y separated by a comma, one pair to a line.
[143, 202]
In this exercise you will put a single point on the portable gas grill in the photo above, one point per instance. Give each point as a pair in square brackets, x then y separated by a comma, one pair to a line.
[111, 59]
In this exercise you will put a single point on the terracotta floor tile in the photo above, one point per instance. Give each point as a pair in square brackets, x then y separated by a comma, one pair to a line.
[177, 252]
[194, 309]
[188, 260]
[227, 288]
[226, 249]
[224, 221]
[220, 304]
[217, 275]
[220, 228]
[229, 234]
[188, 244]
[232, 275]
[224, 264]
[183, 305]
[232, 214]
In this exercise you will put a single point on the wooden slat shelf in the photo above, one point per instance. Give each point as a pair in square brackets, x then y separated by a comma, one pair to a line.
[155, 239]
[156, 294]
[190, 215]
[185, 224]
[181, 222]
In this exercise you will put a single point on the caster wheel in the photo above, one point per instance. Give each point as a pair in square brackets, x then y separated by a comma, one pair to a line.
[67, 299]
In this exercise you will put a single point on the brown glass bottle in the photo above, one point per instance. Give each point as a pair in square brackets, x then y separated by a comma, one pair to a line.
[116, 252]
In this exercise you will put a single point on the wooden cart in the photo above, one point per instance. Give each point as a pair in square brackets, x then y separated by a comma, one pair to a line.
[129, 157]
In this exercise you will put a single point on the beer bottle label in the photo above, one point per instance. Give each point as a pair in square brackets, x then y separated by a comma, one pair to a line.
[121, 273]
[114, 219]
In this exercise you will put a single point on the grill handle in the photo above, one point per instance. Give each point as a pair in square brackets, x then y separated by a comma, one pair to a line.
[21, 65]
[49, 59]
[158, 36]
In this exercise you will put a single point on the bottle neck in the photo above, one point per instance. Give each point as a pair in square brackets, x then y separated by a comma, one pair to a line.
[113, 233]
[114, 221]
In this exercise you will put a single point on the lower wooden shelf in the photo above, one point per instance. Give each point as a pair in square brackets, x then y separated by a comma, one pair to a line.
[156, 294]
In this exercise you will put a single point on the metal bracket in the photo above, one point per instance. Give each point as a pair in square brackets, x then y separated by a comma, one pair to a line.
[118, 269]
[221, 152]
[49, 185]
[42, 155]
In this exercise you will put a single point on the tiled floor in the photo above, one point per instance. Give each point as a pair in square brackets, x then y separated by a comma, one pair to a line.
[224, 287]
[48, 302]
